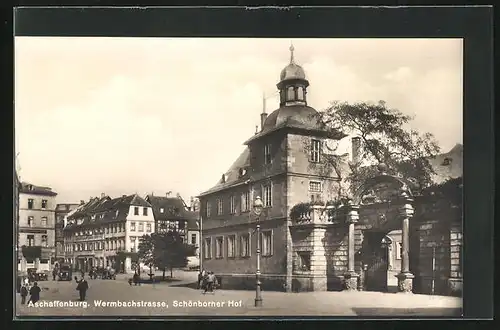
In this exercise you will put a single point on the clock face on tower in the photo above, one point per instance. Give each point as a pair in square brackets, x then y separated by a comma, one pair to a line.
[330, 146]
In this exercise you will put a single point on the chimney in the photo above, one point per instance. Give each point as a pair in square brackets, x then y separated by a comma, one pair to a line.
[82, 202]
[356, 149]
[263, 115]
[123, 196]
[102, 195]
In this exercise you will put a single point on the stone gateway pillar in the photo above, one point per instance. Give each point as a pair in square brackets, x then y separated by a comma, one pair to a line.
[351, 277]
[405, 278]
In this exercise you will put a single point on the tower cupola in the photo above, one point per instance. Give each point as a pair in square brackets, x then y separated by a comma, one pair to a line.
[293, 83]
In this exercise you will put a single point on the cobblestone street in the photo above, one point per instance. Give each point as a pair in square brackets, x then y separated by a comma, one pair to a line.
[229, 302]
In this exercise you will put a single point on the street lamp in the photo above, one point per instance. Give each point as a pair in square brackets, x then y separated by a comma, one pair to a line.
[257, 209]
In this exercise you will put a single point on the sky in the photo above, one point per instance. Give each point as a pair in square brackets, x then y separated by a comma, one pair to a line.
[152, 115]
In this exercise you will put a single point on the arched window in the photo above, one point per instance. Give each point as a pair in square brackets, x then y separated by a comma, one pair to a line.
[300, 93]
[290, 94]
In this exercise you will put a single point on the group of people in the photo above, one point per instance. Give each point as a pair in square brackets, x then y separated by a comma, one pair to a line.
[29, 289]
[207, 281]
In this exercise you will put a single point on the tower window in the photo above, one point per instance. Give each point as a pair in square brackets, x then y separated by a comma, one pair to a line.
[290, 94]
[267, 154]
[315, 150]
[300, 94]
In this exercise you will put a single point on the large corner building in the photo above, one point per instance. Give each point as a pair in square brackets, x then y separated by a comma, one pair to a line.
[281, 164]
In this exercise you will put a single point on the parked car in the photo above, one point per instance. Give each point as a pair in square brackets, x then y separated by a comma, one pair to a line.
[35, 275]
[65, 272]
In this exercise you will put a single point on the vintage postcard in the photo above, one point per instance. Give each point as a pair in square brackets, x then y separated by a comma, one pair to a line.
[238, 176]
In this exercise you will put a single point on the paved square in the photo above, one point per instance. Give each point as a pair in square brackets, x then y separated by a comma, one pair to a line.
[175, 299]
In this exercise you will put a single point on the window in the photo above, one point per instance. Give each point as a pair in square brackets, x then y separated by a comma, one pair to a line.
[193, 239]
[31, 240]
[267, 154]
[304, 261]
[44, 221]
[208, 248]
[267, 195]
[245, 201]
[267, 243]
[290, 94]
[315, 186]
[219, 245]
[136, 210]
[232, 204]
[44, 203]
[141, 227]
[315, 150]
[162, 210]
[231, 248]
[399, 250]
[148, 227]
[300, 93]
[31, 221]
[245, 245]
[220, 206]
[30, 203]
[208, 209]
[132, 226]
[144, 211]
[173, 225]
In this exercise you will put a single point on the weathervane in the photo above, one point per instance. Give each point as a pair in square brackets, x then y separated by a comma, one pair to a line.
[291, 53]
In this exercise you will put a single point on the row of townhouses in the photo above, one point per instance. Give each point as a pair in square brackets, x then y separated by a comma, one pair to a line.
[93, 233]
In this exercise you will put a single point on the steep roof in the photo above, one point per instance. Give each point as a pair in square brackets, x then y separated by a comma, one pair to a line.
[29, 188]
[174, 210]
[234, 174]
[106, 209]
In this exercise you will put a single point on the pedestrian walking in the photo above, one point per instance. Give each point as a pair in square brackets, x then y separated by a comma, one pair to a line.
[54, 274]
[209, 282]
[82, 288]
[34, 293]
[24, 294]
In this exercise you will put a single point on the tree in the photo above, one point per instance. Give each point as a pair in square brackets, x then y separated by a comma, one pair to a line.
[385, 138]
[165, 250]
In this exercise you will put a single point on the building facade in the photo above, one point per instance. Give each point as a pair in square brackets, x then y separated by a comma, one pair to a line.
[362, 244]
[174, 213]
[103, 231]
[282, 165]
[62, 211]
[36, 229]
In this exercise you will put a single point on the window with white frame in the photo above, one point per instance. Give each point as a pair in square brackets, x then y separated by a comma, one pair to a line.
[30, 203]
[231, 246]
[31, 240]
[219, 247]
[245, 201]
[141, 227]
[44, 203]
[267, 243]
[232, 204]
[303, 261]
[207, 248]
[136, 210]
[193, 239]
[144, 211]
[315, 186]
[162, 210]
[315, 150]
[399, 250]
[132, 226]
[148, 227]
[245, 245]
[267, 154]
[208, 209]
[267, 197]
[45, 241]
[44, 221]
[31, 221]
[172, 225]
[220, 206]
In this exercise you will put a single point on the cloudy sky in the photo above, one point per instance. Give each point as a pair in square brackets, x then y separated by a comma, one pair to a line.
[126, 115]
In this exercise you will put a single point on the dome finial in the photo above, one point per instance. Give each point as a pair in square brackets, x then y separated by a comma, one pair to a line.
[291, 53]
